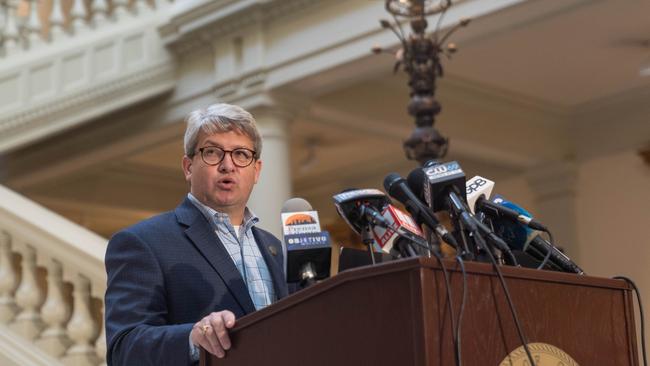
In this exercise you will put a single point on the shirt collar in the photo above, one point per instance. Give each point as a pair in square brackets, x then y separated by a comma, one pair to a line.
[218, 217]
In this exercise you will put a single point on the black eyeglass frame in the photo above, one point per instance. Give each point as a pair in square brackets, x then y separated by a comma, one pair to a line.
[226, 152]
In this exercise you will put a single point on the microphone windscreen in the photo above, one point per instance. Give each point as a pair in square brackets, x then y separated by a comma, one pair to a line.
[415, 181]
[390, 181]
[296, 205]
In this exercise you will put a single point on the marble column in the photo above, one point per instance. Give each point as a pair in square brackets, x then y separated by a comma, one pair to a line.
[274, 185]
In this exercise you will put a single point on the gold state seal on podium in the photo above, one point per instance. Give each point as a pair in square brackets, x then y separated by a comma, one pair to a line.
[543, 354]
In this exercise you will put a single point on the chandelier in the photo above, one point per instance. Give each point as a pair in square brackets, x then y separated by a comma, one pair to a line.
[419, 56]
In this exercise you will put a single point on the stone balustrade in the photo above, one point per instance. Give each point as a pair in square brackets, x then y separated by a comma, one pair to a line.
[66, 62]
[28, 24]
[52, 283]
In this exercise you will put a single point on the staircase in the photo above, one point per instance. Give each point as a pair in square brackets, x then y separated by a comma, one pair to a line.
[52, 284]
[62, 63]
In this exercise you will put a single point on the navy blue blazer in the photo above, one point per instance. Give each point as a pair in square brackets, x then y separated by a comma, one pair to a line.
[164, 275]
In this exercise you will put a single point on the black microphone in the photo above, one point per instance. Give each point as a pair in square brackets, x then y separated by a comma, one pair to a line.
[359, 207]
[496, 210]
[477, 228]
[523, 238]
[397, 188]
[478, 191]
[415, 181]
[445, 187]
[556, 256]
[373, 216]
[308, 248]
[441, 179]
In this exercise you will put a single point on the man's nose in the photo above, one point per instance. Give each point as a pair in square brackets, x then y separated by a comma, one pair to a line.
[227, 165]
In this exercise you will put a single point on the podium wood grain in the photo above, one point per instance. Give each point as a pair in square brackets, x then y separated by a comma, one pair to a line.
[396, 314]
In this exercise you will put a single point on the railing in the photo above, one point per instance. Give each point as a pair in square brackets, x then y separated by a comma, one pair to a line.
[66, 62]
[52, 283]
[26, 24]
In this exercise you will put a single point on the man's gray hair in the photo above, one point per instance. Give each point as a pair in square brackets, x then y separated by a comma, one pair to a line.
[220, 118]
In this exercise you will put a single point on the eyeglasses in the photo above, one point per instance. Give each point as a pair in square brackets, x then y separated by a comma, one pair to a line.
[241, 157]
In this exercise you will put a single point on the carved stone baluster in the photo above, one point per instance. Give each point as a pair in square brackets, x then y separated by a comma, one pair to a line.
[57, 21]
[82, 328]
[8, 280]
[12, 31]
[141, 6]
[100, 345]
[101, 11]
[122, 9]
[79, 16]
[4, 11]
[29, 297]
[34, 27]
[55, 313]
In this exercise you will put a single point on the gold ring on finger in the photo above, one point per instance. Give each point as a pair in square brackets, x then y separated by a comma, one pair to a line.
[204, 329]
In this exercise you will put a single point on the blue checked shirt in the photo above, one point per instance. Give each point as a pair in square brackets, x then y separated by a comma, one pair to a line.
[244, 252]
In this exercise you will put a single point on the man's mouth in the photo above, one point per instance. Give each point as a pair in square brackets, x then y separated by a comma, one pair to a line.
[226, 183]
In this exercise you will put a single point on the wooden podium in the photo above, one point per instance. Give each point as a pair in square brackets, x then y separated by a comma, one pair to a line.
[397, 314]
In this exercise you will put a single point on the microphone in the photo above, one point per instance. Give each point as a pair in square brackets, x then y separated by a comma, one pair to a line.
[478, 229]
[308, 249]
[397, 188]
[441, 179]
[400, 234]
[556, 256]
[445, 187]
[515, 213]
[360, 207]
[477, 188]
[523, 238]
[478, 191]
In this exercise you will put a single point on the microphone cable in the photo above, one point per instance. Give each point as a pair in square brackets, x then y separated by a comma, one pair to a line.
[455, 326]
[450, 305]
[461, 310]
[461, 263]
[522, 337]
[640, 304]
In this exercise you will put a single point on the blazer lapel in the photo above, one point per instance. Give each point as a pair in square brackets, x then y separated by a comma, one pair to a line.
[272, 253]
[207, 242]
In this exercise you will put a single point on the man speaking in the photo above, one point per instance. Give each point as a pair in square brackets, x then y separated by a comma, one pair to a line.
[179, 280]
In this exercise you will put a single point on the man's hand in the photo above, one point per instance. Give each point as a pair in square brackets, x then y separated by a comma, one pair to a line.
[211, 332]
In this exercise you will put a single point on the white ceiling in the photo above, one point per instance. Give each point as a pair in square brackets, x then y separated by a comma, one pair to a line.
[588, 50]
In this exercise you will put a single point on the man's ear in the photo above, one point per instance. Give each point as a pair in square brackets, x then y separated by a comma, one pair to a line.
[187, 168]
[258, 170]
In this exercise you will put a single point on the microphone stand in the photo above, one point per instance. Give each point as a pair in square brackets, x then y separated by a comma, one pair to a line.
[367, 239]
[307, 275]
[465, 253]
